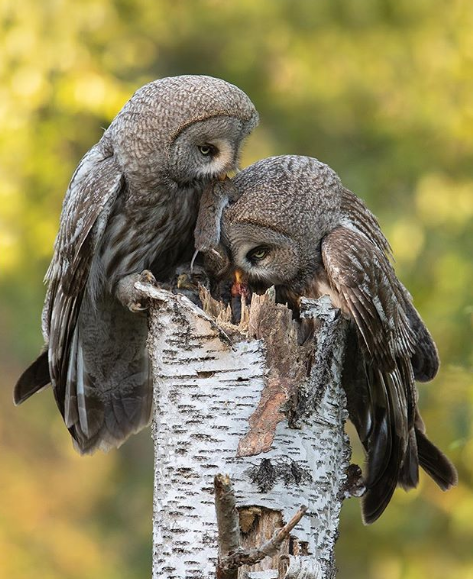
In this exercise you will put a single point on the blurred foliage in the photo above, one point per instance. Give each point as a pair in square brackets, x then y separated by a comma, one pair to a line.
[381, 90]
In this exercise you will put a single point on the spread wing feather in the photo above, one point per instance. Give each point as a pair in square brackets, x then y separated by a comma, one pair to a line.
[372, 296]
[371, 293]
[393, 348]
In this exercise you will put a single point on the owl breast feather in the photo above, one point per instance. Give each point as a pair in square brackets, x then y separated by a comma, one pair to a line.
[139, 236]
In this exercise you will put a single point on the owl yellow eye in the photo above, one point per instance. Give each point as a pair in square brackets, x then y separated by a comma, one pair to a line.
[207, 150]
[257, 254]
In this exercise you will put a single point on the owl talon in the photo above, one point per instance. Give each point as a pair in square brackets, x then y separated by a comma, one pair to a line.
[137, 307]
[147, 277]
[130, 296]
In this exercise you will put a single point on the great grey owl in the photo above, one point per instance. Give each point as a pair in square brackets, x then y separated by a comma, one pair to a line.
[295, 226]
[131, 206]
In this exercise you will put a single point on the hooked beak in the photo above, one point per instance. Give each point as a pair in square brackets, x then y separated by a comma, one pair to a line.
[240, 285]
[222, 177]
[240, 276]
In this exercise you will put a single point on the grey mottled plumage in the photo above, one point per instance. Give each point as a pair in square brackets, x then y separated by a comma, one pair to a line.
[131, 206]
[296, 227]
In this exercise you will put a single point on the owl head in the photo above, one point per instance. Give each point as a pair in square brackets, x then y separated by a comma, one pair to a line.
[184, 128]
[274, 230]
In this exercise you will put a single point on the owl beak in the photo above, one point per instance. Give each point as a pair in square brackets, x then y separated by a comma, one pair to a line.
[222, 177]
[240, 293]
[240, 277]
[240, 285]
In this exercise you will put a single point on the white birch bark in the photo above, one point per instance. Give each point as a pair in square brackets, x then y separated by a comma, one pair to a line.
[206, 387]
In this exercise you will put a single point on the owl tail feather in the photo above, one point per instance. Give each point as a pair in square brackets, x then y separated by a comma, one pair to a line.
[435, 463]
[385, 445]
[409, 471]
[33, 379]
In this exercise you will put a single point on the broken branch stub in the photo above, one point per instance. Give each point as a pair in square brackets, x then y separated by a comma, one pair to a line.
[217, 391]
[230, 555]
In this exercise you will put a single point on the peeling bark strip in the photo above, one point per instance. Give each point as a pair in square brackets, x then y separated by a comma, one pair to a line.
[208, 381]
[286, 370]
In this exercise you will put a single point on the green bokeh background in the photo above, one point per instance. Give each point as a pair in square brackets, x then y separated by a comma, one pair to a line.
[381, 90]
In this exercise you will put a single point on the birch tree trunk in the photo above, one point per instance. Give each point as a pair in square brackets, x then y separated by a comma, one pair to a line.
[249, 402]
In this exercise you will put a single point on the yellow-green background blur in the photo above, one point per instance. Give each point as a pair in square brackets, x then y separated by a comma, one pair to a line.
[380, 90]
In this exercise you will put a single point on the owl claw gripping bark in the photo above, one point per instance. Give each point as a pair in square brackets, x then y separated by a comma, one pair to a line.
[131, 207]
[130, 296]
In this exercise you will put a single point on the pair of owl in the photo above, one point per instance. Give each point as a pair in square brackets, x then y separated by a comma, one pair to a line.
[132, 206]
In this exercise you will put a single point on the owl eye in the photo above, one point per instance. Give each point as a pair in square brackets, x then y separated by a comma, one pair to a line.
[207, 150]
[258, 253]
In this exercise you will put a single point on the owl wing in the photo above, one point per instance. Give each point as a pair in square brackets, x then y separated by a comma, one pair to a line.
[92, 191]
[371, 295]
[425, 360]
